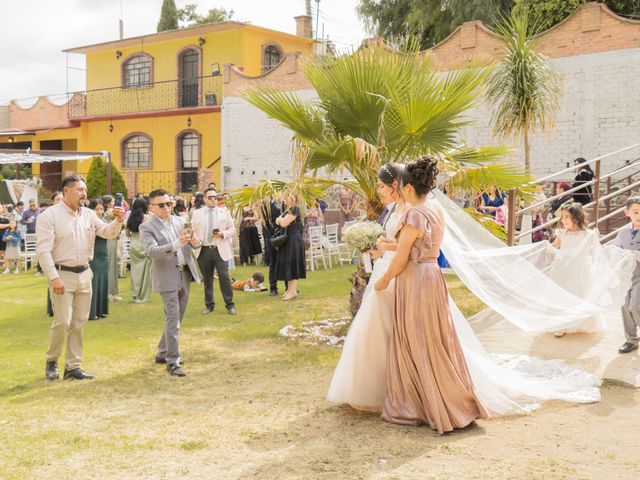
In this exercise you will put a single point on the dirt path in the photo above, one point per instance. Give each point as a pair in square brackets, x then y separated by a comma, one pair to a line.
[254, 413]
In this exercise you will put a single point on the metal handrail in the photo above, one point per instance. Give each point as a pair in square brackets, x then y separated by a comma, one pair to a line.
[569, 169]
[513, 215]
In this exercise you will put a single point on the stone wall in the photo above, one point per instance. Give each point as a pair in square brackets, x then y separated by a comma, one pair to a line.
[254, 147]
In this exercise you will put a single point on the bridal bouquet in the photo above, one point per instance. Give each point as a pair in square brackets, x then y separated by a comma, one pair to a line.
[362, 236]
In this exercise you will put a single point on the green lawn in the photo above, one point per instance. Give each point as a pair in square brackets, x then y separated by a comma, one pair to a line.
[240, 374]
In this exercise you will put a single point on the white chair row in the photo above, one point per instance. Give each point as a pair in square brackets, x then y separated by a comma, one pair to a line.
[324, 246]
[125, 256]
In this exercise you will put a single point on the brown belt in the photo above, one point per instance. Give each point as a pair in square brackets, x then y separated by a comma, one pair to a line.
[79, 269]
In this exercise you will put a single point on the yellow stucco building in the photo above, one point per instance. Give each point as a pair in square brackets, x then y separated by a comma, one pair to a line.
[153, 102]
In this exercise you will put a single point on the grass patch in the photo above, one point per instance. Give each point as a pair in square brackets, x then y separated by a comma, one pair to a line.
[134, 415]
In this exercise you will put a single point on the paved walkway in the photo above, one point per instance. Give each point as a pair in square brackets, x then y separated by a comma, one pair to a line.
[596, 353]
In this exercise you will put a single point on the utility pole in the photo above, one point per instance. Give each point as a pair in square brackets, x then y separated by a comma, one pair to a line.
[317, 17]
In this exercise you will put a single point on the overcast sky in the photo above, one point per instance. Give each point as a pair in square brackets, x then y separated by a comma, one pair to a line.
[34, 33]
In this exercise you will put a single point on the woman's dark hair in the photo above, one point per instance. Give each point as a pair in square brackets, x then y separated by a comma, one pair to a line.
[390, 172]
[95, 202]
[582, 165]
[199, 200]
[180, 206]
[421, 175]
[107, 199]
[138, 209]
[54, 195]
[576, 213]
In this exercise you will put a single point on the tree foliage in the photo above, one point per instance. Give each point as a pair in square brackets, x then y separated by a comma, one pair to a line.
[190, 16]
[168, 16]
[524, 88]
[379, 105]
[552, 12]
[429, 20]
[433, 20]
[97, 179]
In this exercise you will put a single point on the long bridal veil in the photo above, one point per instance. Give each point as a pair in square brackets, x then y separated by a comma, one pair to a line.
[533, 287]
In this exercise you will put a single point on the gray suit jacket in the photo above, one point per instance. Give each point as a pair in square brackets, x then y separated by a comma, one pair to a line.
[158, 245]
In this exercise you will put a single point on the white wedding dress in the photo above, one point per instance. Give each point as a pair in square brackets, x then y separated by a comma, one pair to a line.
[515, 282]
[360, 379]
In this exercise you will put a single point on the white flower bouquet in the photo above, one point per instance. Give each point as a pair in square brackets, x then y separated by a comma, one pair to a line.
[362, 236]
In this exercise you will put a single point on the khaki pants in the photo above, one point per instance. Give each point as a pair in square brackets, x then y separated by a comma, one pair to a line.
[71, 311]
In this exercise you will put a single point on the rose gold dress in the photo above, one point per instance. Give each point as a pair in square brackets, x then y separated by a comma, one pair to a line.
[427, 376]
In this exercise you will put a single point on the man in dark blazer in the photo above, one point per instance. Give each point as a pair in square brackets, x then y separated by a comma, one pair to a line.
[170, 244]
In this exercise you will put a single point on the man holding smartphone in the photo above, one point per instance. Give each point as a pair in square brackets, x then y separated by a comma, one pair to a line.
[214, 227]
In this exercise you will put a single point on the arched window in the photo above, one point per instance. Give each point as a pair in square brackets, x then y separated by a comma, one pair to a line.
[136, 151]
[136, 72]
[190, 151]
[271, 56]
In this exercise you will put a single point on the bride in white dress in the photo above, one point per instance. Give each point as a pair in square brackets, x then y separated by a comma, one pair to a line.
[360, 379]
[505, 383]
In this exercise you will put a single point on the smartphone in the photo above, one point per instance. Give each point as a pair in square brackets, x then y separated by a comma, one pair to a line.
[118, 202]
[187, 227]
[216, 230]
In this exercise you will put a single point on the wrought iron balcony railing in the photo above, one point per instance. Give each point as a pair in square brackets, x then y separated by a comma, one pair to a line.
[157, 96]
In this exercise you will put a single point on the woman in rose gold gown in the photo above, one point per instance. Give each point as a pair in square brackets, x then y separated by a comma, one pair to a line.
[428, 381]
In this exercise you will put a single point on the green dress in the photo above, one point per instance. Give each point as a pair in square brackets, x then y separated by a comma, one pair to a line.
[140, 270]
[100, 282]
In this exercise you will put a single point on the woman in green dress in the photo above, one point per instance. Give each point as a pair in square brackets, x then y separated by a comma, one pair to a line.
[140, 261]
[100, 268]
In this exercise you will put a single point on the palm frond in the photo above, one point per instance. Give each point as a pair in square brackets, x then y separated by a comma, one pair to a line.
[304, 119]
[504, 176]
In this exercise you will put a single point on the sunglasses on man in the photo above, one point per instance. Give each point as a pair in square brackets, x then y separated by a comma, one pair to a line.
[163, 204]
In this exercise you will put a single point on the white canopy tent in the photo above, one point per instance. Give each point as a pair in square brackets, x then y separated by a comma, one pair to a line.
[8, 156]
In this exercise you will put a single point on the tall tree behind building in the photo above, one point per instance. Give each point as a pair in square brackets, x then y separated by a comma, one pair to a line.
[429, 20]
[168, 16]
[551, 12]
[189, 15]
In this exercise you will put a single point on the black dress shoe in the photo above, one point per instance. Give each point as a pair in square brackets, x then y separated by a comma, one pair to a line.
[273, 293]
[176, 370]
[207, 310]
[77, 374]
[51, 371]
[627, 347]
[231, 310]
[160, 360]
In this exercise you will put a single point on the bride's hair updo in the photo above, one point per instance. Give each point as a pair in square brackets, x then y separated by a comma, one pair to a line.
[390, 172]
[421, 175]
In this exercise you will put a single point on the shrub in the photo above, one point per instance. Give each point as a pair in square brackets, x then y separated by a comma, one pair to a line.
[97, 179]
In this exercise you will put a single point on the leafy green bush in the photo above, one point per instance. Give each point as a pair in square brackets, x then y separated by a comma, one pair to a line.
[97, 179]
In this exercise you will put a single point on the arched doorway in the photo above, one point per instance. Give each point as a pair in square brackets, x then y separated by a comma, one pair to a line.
[188, 77]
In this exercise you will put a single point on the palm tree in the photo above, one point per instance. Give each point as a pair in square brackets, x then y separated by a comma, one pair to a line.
[381, 104]
[524, 88]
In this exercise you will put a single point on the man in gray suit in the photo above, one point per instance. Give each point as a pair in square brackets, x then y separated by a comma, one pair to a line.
[169, 245]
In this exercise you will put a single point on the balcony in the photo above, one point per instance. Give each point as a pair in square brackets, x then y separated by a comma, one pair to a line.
[153, 97]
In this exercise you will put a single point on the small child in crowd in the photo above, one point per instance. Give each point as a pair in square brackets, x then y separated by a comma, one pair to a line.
[253, 284]
[629, 239]
[12, 238]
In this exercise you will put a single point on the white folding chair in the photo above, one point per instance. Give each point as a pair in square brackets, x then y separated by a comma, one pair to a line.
[28, 255]
[315, 251]
[125, 257]
[332, 244]
[342, 246]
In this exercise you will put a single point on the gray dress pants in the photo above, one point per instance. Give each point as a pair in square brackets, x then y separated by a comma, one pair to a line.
[175, 304]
